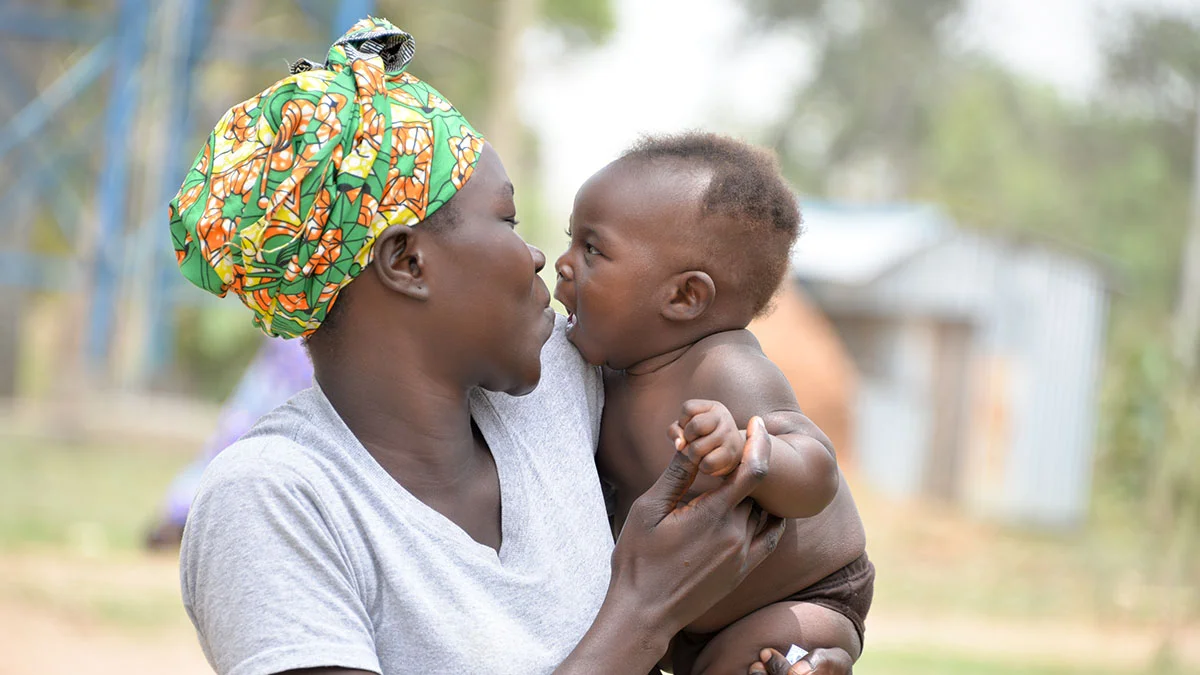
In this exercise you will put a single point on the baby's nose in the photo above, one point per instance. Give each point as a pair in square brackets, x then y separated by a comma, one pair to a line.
[563, 268]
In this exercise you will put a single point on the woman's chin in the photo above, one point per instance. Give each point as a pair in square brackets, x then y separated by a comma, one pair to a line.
[527, 382]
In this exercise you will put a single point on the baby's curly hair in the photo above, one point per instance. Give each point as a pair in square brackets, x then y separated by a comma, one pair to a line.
[747, 198]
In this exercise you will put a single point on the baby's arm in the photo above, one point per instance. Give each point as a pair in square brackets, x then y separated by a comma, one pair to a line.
[803, 478]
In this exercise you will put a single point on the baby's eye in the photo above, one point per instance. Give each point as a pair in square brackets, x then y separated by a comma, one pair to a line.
[591, 250]
[568, 231]
[512, 222]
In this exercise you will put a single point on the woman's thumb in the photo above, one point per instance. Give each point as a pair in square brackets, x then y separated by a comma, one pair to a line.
[669, 489]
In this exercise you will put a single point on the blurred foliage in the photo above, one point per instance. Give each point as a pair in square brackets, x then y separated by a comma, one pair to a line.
[215, 343]
[581, 22]
[1157, 58]
[880, 69]
[54, 494]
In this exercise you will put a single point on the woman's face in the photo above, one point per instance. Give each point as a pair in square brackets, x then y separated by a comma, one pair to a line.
[496, 308]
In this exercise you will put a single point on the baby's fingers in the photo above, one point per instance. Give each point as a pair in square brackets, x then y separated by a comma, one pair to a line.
[720, 461]
[675, 433]
[704, 424]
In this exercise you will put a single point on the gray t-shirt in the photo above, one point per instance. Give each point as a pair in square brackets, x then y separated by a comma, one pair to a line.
[301, 551]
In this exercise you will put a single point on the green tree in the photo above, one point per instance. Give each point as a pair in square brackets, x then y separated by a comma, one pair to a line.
[879, 69]
[1157, 64]
[1154, 66]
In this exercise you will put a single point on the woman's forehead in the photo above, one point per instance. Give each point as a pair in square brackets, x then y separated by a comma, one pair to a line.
[489, 182]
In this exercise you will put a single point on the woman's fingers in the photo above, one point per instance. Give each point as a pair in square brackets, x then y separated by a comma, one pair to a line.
[819, 662]
[829, 662]
[668, 490]
[772, 662]
[769, 531]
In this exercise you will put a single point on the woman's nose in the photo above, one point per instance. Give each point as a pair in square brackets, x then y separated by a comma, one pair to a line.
[539, 258]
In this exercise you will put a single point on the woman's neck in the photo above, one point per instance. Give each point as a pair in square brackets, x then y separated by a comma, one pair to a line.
[415, 424]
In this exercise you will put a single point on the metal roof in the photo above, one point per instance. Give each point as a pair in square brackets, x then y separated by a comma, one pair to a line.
[855, 244]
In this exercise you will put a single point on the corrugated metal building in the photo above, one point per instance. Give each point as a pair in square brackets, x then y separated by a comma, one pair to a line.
[979, 357]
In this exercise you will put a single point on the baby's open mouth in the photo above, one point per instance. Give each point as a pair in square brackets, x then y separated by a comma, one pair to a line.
[570, 320]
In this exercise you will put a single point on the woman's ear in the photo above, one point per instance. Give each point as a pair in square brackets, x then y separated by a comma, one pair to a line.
[690, 294]
[400, 263]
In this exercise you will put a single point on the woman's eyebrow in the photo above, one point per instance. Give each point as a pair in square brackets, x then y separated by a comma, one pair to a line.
[507, 190]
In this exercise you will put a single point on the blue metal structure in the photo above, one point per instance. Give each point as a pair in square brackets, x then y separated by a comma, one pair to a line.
[113, 187]
[40, 155]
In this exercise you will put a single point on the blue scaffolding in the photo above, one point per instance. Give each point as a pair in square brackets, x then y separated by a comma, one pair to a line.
[40, 156]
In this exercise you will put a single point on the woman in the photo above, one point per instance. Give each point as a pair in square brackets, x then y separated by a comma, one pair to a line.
[413, 511]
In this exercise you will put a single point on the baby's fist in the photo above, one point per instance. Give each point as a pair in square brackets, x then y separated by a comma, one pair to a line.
[707, 434]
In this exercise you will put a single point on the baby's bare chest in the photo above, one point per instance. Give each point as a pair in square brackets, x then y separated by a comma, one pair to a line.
[635, 446]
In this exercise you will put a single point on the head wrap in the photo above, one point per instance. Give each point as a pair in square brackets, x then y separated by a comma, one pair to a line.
[283, 204]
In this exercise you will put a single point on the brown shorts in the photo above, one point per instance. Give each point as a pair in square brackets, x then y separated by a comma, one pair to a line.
[848, 591]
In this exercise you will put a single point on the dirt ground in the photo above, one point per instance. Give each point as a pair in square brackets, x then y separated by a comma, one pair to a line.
[56, 623]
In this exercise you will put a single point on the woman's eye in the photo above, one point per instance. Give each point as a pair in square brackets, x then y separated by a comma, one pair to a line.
[512, 222]
[568, 232]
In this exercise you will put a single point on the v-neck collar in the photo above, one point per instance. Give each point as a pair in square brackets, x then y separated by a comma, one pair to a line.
[513, 506]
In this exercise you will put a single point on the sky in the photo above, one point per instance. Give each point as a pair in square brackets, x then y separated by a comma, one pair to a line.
[679, 64]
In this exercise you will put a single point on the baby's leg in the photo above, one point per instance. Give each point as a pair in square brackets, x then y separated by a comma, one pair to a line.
[780, 625]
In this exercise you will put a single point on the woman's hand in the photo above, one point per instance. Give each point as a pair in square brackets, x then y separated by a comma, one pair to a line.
[675, 561]
[818, 661]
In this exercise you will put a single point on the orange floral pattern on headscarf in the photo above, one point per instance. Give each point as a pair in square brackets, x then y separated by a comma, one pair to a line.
[284, 202]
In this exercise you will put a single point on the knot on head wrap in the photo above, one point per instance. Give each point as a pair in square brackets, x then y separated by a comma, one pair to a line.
[284, 202]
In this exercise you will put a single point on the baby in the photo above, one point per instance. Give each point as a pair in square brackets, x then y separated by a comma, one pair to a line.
[675, 247]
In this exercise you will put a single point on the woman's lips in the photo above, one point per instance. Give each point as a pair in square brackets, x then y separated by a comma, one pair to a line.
[570, 320]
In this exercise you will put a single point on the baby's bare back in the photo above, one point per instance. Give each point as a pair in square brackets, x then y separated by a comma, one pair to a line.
[635, 449]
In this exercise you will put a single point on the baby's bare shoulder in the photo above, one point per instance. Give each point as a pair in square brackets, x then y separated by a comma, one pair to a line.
[730, 367]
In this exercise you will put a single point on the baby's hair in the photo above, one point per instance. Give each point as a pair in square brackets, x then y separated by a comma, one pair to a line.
[756, 208]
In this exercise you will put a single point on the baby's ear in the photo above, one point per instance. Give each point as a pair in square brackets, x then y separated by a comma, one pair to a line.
[690, 294]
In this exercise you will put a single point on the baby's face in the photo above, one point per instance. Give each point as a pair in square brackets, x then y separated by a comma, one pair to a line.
[625, 239]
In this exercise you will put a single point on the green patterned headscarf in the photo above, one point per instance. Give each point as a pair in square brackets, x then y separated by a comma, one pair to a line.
[284, 203]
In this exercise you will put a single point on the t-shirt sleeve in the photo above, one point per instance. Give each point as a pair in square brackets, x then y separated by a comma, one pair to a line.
[263, 576]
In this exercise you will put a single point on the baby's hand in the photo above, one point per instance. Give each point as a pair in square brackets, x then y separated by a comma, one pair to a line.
[707, 434]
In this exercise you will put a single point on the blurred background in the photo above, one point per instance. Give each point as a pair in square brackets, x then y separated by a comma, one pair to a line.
[995, 310]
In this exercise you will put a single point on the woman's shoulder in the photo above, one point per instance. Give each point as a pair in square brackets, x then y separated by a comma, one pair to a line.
[258, 463]
[288, 446]
[560, 354]
[564, 372]
[569, 396]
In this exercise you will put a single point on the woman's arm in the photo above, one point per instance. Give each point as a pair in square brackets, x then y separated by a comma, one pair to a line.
[674, 561]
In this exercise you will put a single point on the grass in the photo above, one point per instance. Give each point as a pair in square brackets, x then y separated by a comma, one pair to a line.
[944, 562]
[88, 499]
[883, 662]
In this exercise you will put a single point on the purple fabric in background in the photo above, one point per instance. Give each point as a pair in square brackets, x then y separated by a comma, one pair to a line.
[279, 369]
